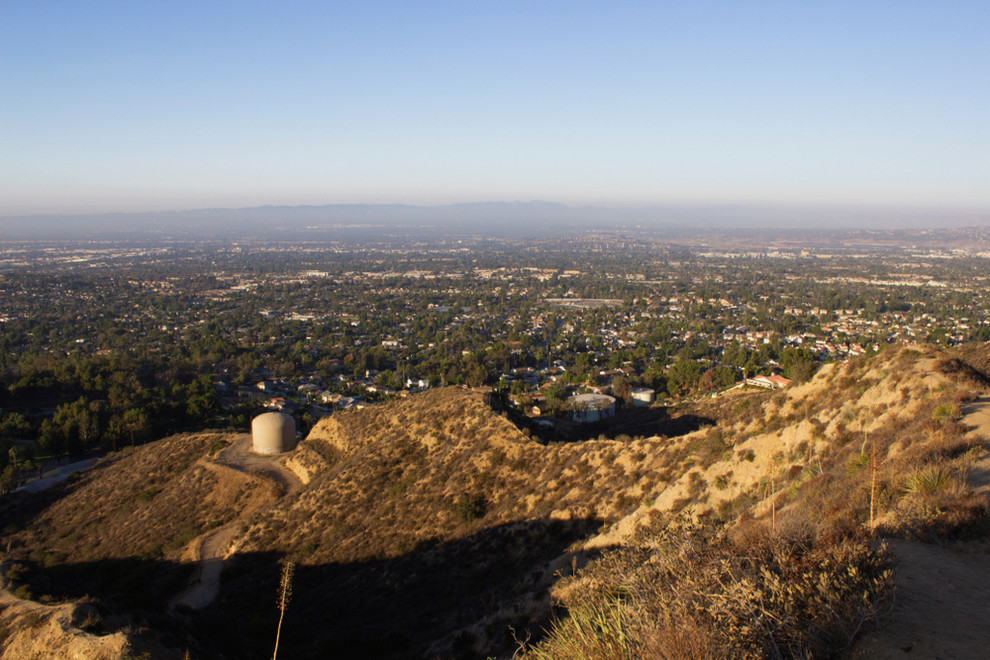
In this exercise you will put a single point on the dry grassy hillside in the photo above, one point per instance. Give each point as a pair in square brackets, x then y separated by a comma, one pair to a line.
[147, 503]
[889, 426]
[791, 491]
[462, 517]
[442, 465]
[118, 533]
[426, 527]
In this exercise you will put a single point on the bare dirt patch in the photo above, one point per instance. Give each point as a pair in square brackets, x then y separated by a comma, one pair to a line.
[940, 610]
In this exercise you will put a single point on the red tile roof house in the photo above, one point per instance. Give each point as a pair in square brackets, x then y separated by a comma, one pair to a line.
[774, 382]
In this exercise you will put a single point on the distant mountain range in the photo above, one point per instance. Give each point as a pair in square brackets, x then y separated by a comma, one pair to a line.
[487, 219]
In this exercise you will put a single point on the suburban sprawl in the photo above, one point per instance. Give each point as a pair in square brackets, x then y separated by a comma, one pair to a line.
[110, 343]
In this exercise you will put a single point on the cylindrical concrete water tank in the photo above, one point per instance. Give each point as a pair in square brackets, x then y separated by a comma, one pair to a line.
[273, 433]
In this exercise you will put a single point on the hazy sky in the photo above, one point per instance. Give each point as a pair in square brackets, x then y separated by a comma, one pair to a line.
[130, 105]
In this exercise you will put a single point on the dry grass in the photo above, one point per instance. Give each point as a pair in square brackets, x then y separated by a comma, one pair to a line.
[691, 591]
[144, 503]
[442, 465]
[396, 493]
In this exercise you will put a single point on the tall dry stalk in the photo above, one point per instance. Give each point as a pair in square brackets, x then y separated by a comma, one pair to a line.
[873, 486]
[873, 467]
[773, 503]
[285, 593]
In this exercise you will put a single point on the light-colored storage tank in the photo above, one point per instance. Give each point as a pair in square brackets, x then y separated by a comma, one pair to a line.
[273, 433]
[591, 407]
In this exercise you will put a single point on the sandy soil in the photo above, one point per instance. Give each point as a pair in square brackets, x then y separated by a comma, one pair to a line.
[977, 416]
[35, 630]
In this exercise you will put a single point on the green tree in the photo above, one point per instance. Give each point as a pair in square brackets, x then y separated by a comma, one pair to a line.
[622, 389]
[556, 395]
[683, 376]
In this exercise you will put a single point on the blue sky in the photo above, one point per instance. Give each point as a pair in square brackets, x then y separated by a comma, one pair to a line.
[121, 106]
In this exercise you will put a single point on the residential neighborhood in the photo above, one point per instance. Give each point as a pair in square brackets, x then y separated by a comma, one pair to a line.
[314, 330]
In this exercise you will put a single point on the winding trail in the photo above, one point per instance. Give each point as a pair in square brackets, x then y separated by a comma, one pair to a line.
[942, 602]
[214, 546]
[976, 416]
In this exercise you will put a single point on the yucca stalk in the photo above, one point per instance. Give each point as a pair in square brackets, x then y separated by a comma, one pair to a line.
[285, 593]
[873, 487]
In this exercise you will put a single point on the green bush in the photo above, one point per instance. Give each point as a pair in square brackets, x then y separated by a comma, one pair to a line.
[943, 412]
[589, 633]
[929, 480]
[217, 446]
[148, 494]
[469, 508]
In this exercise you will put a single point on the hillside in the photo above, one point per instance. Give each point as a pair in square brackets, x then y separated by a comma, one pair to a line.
[895, 444]
[428, 526]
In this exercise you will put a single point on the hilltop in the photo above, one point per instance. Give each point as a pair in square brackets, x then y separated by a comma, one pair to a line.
[436, 527]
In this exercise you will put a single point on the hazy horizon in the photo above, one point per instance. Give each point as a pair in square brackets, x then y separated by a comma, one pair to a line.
[885, 210]
[534, 219]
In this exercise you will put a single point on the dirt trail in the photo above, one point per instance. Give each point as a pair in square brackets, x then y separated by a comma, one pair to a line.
[942, 603]
[941, 608]
[239, 456]
[976, 416]
[213, 546]
[207, 581]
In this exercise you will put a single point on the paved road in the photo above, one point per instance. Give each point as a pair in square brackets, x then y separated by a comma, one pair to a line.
[59, 474]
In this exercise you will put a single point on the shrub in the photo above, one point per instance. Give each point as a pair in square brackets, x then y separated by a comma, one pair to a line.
[693, 591]
[15, 572]
[928, 481]
[855, 464]
[746, 455]
[24, 592]
[588, 633]
[400, 486]
[469, 508]
[943, 412]
[148, 494]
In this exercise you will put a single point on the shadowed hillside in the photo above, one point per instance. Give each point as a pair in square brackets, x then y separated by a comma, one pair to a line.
[428, 526]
